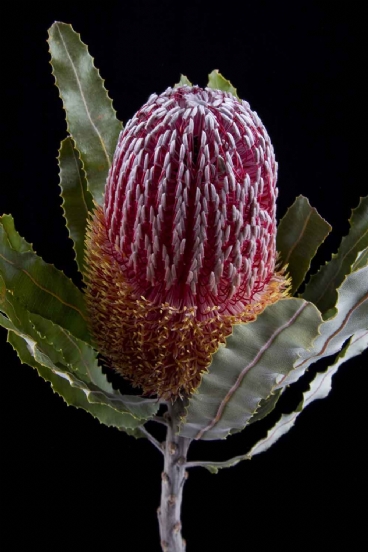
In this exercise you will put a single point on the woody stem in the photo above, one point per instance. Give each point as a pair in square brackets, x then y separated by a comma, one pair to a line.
[173, 479]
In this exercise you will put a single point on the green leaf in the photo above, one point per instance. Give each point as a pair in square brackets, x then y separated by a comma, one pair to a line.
[16, 242]
[361, 260]
[39, 286]
[82, 359]
[266, 406]
[90, 115]
[218, 82]
[318, 389]
[73, 396]
[183, 81]
[135, 432]
[77, 201]
[321, 289]
[214, 467]
[74, 363]
[247, 370]
[300, 233]
[351, 317]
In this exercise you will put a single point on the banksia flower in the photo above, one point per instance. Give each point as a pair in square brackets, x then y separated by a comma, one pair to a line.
[184, 245]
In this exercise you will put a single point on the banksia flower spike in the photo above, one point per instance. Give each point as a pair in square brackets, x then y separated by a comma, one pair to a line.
[185, 290]
[184, 245]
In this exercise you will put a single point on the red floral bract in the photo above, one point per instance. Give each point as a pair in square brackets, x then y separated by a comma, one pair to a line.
[184, 246]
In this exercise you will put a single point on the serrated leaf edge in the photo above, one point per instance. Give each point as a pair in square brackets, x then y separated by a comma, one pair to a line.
[335, 255]
[276, 385]
[109, 161]
[217, 72]
[285, 262]
[34, 281]
[115, 396]
[89, 213]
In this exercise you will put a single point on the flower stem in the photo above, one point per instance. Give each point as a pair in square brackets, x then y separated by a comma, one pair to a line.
[173, 479]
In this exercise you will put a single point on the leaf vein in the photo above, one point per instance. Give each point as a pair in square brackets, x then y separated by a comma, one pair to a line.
[44, 289]
[299, 238]
[246, 369]
[80, 179]
[84, 100]
[340, 263]
[342, 325]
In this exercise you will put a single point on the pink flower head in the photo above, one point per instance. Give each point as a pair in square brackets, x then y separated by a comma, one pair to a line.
[184, 246]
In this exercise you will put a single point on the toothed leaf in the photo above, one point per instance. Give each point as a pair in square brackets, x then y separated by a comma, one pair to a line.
[89, 112]
[77, 200]
[74, 361]
[16, 241]
[82, 359]
[183, 81]
[247, 370]
[218, 82]
[39, 286]
[361, 260]
[318, 389]
[321, 289]
[73, 396]
[299, 235]
[266, 406]
[351, 316]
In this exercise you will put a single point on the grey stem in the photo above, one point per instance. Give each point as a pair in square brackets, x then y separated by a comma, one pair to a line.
[173, 479]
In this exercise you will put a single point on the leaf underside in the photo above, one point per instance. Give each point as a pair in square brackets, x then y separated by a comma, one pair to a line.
[350, 323]
[351, 317]
[245, 372]
[319, 388]
[322, 287]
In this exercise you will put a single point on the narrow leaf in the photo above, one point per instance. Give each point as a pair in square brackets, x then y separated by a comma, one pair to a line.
[135, 432]
[266, 406]
[318, 389]
[84, 374]
[214, 467]
[321, 289]
[247, 370]
[16, 241]
[351, 317]
[183, 81]
[81, 358]
[39, 286]
[300, 233]
[218, 82]
[77, 201]
[361, 260]
[72, 395]
[90, 115]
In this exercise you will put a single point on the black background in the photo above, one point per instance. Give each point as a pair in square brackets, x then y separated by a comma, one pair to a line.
[70, 483]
